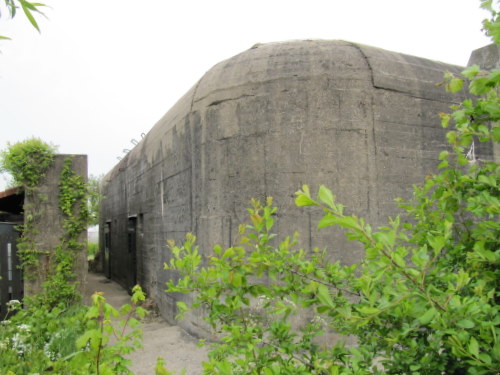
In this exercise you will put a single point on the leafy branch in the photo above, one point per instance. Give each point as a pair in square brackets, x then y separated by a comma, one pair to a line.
[29, 9]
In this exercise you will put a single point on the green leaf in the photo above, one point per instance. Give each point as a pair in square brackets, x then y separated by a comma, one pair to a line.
[218, 249]
[487, 4]
[454, 84]
[325, 195]
[443, 164]
[323, 294]
[471, 71]
[465, 323]
[398, 259]
[485, 358]
[385, 238]
[494, 111]
[182, 308]
[427, 316]
[26, 9]
[345, 222]
[443, 155]
[303, 200]
[451, 136]
[229, 253]
[269, 223]
[496, 134]
[445, 119]
[473, 347]
[479, 86]
[496, 351]
[236, 279]
[368, 310]
[327, 221]
[436, 242]
[420, 257]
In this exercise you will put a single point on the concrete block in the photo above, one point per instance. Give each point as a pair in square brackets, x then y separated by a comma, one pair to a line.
[358, 119]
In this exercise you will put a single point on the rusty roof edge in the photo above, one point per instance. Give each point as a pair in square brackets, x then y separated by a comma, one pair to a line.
[12, 191]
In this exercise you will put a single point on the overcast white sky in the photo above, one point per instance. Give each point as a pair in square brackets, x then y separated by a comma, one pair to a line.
[104, 71]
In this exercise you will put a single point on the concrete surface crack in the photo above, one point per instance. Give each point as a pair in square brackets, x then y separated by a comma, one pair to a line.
[217, 102]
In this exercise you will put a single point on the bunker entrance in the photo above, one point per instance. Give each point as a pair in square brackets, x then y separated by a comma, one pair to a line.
[132, 250]
[107, 247]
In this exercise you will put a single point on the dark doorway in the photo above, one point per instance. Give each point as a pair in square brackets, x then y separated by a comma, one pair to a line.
[107, 247]
[11, 282]
[132, 250]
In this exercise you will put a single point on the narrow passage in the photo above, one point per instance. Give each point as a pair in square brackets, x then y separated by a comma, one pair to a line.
[160, 339]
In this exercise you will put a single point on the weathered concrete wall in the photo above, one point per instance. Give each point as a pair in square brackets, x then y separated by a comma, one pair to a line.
[358, 119]
[488, 58]
[48, 222]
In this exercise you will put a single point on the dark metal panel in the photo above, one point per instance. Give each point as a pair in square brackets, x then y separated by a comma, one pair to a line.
[11, 282]
[132, 252]
[107, 249]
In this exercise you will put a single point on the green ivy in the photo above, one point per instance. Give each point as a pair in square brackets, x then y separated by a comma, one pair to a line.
[72, 189]
[61, 286]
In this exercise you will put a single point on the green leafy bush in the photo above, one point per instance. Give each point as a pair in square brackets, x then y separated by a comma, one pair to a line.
[94, 199]
[414, 304]
[92, 250]
[78, 340]
[27, 161]
[33, 339]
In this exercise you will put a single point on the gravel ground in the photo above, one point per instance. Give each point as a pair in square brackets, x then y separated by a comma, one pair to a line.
[160, 339]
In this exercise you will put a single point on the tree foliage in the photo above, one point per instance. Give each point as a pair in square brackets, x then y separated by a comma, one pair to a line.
[29, 9]
[94, 199]
[27, 161]
[423, 300]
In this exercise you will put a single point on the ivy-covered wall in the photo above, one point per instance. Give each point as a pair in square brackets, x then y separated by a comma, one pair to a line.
[42, 210]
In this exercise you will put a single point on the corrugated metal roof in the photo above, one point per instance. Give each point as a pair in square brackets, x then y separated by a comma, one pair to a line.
[12, 200]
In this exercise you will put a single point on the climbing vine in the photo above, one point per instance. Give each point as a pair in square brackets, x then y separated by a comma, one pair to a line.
[27, 249]
[61, 286]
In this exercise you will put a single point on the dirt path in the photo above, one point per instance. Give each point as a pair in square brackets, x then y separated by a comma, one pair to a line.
[159, 338]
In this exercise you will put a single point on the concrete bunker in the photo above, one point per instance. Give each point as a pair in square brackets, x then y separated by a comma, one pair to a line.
[361, 120]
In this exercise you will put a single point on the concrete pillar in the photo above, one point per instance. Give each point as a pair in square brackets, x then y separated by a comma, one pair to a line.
[42, 208]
